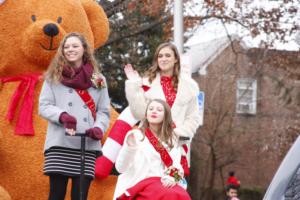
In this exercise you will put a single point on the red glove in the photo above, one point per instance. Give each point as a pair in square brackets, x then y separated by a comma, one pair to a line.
[68, 121]
[95, 133]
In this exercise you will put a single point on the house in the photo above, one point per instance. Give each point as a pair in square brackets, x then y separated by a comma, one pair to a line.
[250, 113]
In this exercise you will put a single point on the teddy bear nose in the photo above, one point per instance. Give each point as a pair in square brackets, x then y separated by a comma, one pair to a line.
[51, 29]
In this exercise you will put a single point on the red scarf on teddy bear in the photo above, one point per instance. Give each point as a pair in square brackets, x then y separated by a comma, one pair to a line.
[23, 97]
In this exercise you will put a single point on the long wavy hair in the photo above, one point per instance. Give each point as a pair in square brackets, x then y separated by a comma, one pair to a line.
[152, 71]
[166, 131]
[54, 72]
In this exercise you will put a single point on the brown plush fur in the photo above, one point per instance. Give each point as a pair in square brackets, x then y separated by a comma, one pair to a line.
[4, 194]
[21, 157]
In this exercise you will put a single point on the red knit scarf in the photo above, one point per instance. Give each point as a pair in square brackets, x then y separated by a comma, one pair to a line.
[169, 91]
[78, 78]
[23, 97]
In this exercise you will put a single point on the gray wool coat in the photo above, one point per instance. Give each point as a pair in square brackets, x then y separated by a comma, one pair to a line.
[56, 98]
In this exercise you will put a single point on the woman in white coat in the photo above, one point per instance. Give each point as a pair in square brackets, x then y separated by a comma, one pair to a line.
[149, 161]
[164, 81]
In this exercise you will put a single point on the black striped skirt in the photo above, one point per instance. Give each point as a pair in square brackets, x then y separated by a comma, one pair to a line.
[65, 161]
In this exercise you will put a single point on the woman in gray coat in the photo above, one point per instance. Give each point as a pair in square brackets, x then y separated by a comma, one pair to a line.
[74, 98]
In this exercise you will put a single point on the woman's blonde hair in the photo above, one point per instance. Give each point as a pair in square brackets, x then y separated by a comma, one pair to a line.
[152, 71]
[54, 72]
[166, 132]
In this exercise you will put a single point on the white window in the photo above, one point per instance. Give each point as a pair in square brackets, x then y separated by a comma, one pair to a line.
[246, 96]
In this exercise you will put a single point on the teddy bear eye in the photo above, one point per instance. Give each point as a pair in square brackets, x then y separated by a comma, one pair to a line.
[33, 18]
[59, 19]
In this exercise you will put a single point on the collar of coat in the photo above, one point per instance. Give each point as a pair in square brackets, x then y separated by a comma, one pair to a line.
[187, 87]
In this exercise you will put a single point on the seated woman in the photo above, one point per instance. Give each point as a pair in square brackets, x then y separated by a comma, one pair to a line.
[149, 161]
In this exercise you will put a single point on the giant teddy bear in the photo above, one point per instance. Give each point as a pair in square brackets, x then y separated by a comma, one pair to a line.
[30, 32]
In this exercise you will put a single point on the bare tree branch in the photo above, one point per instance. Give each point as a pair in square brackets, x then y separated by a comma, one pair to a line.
[139, 31]
[111, 8]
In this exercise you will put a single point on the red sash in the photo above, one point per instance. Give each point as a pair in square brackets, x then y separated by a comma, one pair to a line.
[88, 100]
[165, 156]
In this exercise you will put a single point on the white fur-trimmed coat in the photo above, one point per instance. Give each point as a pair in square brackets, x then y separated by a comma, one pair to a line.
[141, 161]
[185, 110]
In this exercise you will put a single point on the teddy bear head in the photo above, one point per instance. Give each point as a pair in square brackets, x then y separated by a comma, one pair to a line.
[31, 31]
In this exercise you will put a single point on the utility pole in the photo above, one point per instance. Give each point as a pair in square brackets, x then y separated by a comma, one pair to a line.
[178, 37]
[178, 25]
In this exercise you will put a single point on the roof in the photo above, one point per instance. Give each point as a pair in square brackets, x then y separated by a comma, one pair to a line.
[210, 39]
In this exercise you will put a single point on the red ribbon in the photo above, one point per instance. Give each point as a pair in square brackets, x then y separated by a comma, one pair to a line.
[23, 96]
[88, 100]
[165, 156]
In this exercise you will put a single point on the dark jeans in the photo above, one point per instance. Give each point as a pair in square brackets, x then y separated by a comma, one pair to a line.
[58, 187]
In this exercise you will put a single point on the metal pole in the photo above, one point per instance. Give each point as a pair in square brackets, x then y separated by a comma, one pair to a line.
[178, 25]
[82, 166]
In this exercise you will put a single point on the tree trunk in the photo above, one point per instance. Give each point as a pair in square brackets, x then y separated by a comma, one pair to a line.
[211, 179]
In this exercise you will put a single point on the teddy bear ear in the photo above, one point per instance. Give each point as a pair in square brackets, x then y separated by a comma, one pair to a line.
[2, 1]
